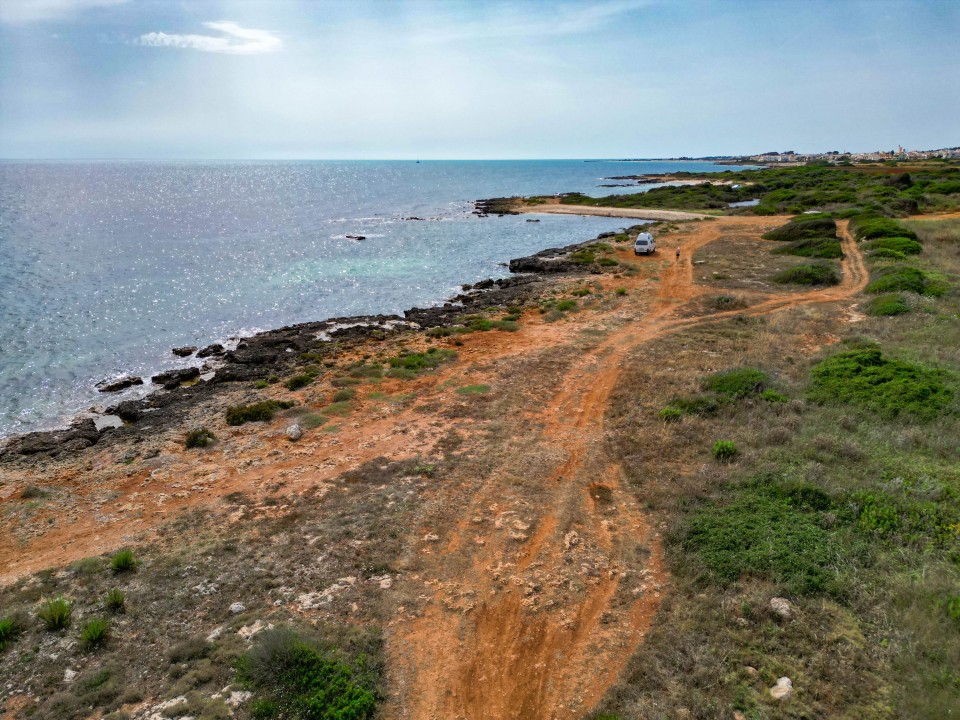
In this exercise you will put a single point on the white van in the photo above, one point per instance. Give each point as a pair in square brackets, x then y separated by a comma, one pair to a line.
[645, 244]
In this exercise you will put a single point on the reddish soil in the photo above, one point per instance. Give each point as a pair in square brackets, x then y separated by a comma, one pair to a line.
[531, 609]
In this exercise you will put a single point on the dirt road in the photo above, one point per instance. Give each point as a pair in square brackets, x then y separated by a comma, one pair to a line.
[514, 656]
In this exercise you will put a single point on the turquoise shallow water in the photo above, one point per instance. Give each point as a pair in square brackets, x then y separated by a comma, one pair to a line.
[104, 266]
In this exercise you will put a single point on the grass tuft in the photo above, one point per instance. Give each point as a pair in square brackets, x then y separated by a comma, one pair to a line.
[10, 630]
[724, 450]
[116, 601]
[94, 633]
[56, 614]
[123, 561]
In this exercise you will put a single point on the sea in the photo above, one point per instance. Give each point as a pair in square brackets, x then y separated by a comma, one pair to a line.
[105, 266]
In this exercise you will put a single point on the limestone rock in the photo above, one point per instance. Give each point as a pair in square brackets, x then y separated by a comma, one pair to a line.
[294, 432]
[782, 607]
[783, 689]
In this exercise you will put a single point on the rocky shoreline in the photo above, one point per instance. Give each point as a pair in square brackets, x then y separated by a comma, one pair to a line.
[274, 352]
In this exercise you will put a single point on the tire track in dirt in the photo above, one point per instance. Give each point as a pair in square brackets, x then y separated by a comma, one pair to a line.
[507, 661]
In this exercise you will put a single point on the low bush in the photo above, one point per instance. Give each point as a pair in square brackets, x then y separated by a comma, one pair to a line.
[903, 245]
[94, 633]
[737, 382]
[727, 302]
[773, 396]
[344, 394]
[768, 531]
[10, 629]
[884, 254]
[804, 227]
[816, 247]
[116, 601]
[302, 678]
[904, 278]
[297, 382]
[692, 405]
[867, 227]
[813, 274]
[670, 414]
[201, 437]
[889, 387]
[257, 412]
[422, 362]
[724, 450]
[888, 304]
[565, 305]
[123, 561]
[56, 614]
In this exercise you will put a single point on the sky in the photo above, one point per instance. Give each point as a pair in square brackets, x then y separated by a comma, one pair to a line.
[451, 79]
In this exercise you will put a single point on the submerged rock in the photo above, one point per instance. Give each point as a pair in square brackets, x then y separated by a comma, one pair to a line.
[122, 383]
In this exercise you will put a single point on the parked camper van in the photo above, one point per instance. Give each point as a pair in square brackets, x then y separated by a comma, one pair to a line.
[645, 244]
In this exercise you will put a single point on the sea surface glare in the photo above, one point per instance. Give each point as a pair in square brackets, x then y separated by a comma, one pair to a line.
[104, 266]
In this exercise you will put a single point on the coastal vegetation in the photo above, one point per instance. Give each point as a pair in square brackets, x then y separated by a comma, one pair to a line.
[256, 412]
[809, 274]
[842, 190]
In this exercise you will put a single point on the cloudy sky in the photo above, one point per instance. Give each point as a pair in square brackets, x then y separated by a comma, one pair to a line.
[474, 79]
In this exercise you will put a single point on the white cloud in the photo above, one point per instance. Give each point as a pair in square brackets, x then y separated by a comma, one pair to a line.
[24, 11]
[235, 40]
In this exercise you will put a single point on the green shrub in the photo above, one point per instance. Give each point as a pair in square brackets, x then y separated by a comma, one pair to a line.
[564, 305]
[607, 262]
[298, 382]
[813, 274]
[670, 414]
[867, 227]
[422, 362]
[902, 245]
[55, 614]
[201, 437]
[694, 405]
[116, 601]
[581, 292]
[884, 254]
[620, 291]
[889, 304]
[769, 532]
[817, 247]
[889, 387]
[261, 384]
[773, 396]
[94, 633]
[123, 561]
[368, 371]
[345, 394]
[804, 227]
[302, 679]
[257, 412]
[736, 383]
[952, 607]
[724, 450]
[10, 629]
[903, 278]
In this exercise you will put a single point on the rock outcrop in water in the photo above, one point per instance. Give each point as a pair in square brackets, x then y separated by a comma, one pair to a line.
[122, 383]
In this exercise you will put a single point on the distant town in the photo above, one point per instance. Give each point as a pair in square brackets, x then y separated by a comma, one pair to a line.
[789, 157]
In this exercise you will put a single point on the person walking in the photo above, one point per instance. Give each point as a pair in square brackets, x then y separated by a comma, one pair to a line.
[678, 254]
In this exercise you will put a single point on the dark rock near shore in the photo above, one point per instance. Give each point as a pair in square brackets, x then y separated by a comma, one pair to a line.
[356, 237]
[111, 386]
[172, 378]
[211, 350]
[128, 411]
[80, 435]
[497, 206]
[185, 351]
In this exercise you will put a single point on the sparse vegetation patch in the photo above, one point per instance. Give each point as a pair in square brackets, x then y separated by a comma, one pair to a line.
[813, 274]
[257, 412]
